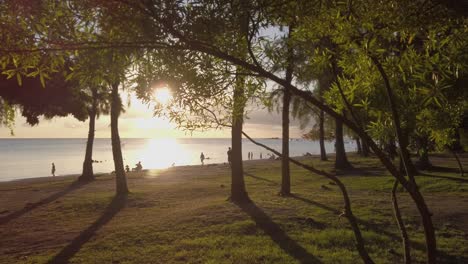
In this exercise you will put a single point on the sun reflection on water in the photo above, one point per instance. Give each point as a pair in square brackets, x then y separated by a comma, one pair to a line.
[162, 153]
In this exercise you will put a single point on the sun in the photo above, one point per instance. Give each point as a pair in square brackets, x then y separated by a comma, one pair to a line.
[162, 95]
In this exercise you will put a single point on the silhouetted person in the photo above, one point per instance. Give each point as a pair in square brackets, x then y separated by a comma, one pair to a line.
[127, 168]
[229, 154]
[53, 169]
[202, 158]
[261, 156]
[138, 167]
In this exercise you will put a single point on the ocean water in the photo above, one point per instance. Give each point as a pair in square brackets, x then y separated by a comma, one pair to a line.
[29, 158]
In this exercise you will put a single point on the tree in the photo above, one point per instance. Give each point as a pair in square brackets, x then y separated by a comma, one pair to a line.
[368, 59]
[62, 98]
[99, 105]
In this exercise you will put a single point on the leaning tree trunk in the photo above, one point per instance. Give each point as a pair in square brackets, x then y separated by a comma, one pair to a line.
[341, 160]
[88, 174]
[120, 177]
[238, 190]
[323, 152]
[365, 148]
[411, 186]
[406, 156]
[401, 225]
[460, 166]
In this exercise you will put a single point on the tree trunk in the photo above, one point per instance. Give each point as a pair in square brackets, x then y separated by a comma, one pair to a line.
[120, 177]
[238, 190]
[88, 174]
[408, 163]
[323, 152]
[358, 144]
[365, 148]
[285, 173]
[341, 160]
[401, 225]
[411, 186]
[460, 166]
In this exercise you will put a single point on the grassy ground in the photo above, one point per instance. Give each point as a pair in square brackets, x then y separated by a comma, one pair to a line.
[181, 215]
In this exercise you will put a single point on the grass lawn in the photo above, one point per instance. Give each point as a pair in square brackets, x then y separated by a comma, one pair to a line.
[181, 215]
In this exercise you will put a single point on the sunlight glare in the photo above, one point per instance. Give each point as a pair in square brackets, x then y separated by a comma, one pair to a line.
[163, 95]
[162, 153]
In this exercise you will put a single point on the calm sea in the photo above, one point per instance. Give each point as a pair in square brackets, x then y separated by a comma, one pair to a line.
[28, 158]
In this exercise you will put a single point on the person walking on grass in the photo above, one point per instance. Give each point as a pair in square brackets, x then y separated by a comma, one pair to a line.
[202, 158]
[53, 169]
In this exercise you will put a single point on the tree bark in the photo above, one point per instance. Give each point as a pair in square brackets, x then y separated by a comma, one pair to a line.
[238, 190]
[460, 166]
[408, 163]
[341, 160]
[365, 148]
[401, 225]
[120, 177]
[359, 147]
[88, 174]
[323, 152]
[285, 172]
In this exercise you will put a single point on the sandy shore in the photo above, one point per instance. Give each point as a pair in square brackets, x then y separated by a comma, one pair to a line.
[43, 179]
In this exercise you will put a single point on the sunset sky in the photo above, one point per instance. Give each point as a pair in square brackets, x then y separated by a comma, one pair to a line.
[138, 122]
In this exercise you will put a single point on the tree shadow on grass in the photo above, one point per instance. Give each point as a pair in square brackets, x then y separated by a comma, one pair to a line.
[444, 177]
[264, 222]
[443, 256]
[29, 207]
[118, 202]
[260, 178]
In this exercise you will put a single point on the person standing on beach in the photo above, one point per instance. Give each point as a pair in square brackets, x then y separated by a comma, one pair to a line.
[202, 158]
[229, 154]
[53, 169]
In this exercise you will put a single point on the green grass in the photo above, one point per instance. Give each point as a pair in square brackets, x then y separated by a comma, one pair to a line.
[182, 216]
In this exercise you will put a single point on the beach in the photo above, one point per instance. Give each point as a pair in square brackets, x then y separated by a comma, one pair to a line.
[181, 215]
[25, 158]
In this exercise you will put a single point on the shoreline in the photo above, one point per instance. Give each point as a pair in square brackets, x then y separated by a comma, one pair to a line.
[40, 179]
